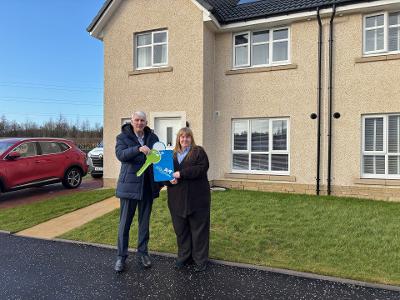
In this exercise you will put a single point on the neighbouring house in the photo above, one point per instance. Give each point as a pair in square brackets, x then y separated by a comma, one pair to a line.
[289, 96]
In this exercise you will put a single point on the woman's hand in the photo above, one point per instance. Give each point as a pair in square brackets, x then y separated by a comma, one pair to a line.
[174, 181]
[177, 175]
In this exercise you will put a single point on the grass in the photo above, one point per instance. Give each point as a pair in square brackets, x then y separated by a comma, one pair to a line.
[26, 216]
[344, 237]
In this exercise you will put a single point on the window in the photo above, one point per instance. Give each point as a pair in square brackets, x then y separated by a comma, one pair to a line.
[261, 48]
[151, 49]
[260, 146]
[381, 146]
[50, 147]
[64, 147]
[27, 149]
[4, 146]
[382, 33]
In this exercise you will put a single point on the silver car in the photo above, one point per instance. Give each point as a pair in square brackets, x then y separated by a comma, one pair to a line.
[95, 161]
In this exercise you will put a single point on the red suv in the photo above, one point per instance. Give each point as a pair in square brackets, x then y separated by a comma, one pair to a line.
[28, 162]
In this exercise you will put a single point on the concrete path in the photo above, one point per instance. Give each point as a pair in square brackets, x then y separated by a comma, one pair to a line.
[40, 269]
[58, 226]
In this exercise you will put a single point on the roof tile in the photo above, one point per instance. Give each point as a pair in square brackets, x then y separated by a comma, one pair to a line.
[229, 11]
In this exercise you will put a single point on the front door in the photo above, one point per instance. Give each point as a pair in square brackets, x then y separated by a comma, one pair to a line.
[166, 130]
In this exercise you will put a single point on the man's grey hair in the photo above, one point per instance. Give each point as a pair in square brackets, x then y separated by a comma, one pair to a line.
[141, 114]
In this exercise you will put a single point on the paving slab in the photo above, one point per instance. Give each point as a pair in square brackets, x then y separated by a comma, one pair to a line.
[58, 226]
[42, 269]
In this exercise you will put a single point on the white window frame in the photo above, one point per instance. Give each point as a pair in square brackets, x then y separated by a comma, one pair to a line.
[270, 146]
[280, 62]
[384, 152]
[237, 46]
[152, 44]
[260, 43]
[393, 26]
[386, 26]
[270, 43]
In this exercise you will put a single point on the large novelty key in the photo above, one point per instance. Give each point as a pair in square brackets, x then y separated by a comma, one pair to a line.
[153, 157]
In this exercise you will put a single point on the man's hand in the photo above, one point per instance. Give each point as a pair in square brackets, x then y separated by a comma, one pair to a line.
[174, 181]
[144, 149]
[177, 175]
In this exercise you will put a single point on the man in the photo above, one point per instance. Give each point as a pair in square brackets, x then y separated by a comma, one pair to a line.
[133, 144]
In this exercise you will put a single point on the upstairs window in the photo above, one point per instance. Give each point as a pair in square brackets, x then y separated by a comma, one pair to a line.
[382, 33]
[151, 49]
[261, 48]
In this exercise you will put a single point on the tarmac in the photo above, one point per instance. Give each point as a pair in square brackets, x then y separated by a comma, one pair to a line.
[43, 269]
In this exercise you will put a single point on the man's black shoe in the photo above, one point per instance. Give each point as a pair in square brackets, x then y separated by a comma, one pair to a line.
[145, 261]
[120, 265]
[201, 268]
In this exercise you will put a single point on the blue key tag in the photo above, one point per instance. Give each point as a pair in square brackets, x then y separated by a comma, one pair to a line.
[164, 169]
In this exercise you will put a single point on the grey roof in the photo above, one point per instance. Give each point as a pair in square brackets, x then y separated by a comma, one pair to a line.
[98, 16]
[229, 11]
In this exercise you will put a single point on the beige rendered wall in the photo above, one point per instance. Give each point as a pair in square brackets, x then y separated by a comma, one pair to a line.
[179, 90]
[199, 85]
[209, 130]
[286, 93]
[360, 88]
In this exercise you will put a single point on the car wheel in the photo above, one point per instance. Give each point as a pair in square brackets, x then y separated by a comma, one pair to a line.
[72, 178]
[96, 175]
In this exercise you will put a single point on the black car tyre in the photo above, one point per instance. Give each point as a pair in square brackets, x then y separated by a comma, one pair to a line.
[72, 178]
[96, 175]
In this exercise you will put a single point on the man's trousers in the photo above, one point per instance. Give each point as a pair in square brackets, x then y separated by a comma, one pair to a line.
[128, 208]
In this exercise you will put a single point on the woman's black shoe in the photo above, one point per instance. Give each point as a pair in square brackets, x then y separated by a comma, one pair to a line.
[201, 268]
[180, 264]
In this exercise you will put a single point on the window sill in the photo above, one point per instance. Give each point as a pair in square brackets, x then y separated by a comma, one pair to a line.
[268, 177]
[381, 182]
[261, 69]
[382, 57]
[150, 71]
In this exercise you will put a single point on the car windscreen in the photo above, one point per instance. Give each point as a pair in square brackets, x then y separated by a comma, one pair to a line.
[4, 146]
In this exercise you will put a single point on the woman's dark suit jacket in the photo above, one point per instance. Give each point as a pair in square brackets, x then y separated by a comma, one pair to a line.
[192, 192]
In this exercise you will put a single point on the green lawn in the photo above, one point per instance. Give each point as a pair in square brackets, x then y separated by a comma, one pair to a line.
[25, 216]
[344, 237]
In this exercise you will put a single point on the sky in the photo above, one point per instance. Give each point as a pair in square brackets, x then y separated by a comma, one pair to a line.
[49, 64]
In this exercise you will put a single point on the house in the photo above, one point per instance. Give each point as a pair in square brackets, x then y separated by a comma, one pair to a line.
[288, 96]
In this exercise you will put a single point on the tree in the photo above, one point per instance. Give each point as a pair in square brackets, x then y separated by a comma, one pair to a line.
[82, 133]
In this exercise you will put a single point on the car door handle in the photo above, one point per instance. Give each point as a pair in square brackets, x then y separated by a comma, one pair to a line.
[38, 161]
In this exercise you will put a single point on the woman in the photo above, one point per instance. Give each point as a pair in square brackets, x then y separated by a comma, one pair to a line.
[189, 201]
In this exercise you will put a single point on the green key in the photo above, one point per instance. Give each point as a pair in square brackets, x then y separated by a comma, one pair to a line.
[153, 157]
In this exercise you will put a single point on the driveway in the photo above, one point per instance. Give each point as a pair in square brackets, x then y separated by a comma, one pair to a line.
[13, 199]
[40, 269]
